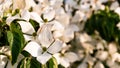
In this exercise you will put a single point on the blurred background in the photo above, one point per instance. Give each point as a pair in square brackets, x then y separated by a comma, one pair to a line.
[89, 28]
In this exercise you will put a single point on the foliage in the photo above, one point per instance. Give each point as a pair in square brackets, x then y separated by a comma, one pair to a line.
[105, 23]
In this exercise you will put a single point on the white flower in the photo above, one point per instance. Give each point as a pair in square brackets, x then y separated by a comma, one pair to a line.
[4, 51]
[11, 18]
[68, 33]
[62, 17]
[115, 57]
[57, 29]
[2, 61]
[66, 58]
[27, 30]
[112, 48]
[36, 50]
[26, 27]
[83, 65]
[53, 3]
[45, 36]
[102, 55]
[54, 48]
[35, 16]
[18, 4]
[114, 5]
[25, 14]
[29, 4]
[117, 10]
[45, 45]
[49, 14]
[84, 37]
[99, 65]
[33, 48]
[87, 62]
[79, 16]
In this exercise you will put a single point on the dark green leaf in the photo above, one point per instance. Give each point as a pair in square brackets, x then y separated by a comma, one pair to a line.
[24, 63]
[29, 62]
[34, 24]
[52, 63]
[16, 41]
[104, 22]
[25, 53]
[35, 64]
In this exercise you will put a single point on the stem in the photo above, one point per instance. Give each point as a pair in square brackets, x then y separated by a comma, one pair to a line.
[44, 66]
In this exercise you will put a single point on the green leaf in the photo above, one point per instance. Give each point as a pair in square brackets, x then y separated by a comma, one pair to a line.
[104, 22]
[24, 63]
[35, 64]
[25, 53]
[16, 41]
[52, 63]
[29, 62]
[34, 24]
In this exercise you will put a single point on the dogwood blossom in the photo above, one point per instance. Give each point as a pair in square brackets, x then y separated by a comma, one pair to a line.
[45, 45]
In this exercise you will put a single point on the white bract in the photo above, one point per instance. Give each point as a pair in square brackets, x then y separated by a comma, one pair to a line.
[66, 58]
[45, 45]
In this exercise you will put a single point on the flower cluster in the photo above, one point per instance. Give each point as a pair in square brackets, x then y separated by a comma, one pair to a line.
[59, 34]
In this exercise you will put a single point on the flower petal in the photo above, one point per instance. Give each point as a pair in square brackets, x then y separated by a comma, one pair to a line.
[57, 26]
[25, 14]
[99, 65]
[45, 36]
[64, 63]
[36, 17]
[72, 57]
[26, 27]
[33, 48]
[44, 57]
[10, 19]
[55, 47]
[27, 37]
[49, 15]
[69, 33]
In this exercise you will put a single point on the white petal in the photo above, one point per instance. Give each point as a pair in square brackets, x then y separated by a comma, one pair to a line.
[26, 27]
[103, 1]
[55, 47]
[45, 36]
[58, 57]
[83, 65]
[44, 57]
[73, 27]
[112, 48]
[3, 61]
[18, 4]
[29, 4]
[57, 26]
[84, 37]
[64, 19]
[64, 63]
[10, 19]
[99, 65]
[102, 55]
[114, 5]
[36, 17]
[49, 15]
[69, 32]
[27, 37]
[25, 14]
[33, 48]
[117, 10]
[72, 57]
[57, 34]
